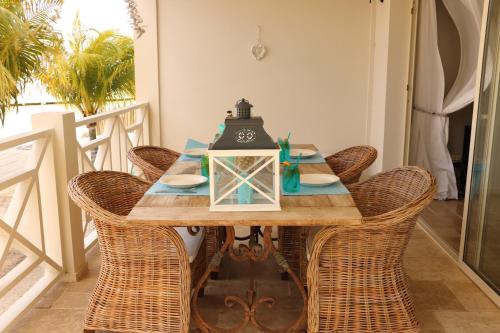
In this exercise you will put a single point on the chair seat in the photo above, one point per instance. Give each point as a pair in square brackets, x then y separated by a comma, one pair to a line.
[191, 242]
[310, 239]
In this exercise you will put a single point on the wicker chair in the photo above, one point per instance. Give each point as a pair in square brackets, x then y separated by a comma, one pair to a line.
[154, 162]
[348, 165]
[355, 276]
[145, 277]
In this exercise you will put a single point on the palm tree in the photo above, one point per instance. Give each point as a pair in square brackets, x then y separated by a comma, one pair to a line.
[27, 35]
[97, 68]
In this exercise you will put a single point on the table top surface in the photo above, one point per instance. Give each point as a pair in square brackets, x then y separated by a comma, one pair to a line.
[311, 210]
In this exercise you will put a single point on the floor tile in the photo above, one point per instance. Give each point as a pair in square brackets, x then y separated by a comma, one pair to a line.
[52, 320]
[446, 300]
[469, 322]
[72, 300]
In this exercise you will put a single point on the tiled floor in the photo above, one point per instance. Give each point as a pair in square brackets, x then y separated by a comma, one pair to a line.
[446, 300]
[444, 218]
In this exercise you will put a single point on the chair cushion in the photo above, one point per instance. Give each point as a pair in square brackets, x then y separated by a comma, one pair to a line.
[310, 238]
[191, 242]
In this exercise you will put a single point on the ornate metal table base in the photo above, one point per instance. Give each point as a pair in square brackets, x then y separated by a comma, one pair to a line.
[253, 253]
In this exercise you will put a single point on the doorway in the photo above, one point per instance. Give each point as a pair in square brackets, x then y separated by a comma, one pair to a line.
[480, 243]
[469, 228]
[435, 107]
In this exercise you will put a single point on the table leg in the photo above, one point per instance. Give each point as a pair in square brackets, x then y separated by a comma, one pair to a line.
[252, 253]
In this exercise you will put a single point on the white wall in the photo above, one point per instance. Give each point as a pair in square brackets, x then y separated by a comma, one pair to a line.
[314, 81]
[335, 73]
[391, 37]
[397, 103]
[147, 85]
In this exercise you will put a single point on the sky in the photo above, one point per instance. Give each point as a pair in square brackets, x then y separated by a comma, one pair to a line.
[97, 14]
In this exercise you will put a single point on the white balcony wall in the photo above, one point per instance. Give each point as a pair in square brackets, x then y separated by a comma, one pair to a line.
[334, 74]
[313, 81]
[392, 23]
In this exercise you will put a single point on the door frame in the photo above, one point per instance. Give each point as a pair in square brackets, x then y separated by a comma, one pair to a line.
[461, 263]
[411, 80]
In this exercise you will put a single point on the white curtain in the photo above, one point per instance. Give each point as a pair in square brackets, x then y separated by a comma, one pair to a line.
[430, 122]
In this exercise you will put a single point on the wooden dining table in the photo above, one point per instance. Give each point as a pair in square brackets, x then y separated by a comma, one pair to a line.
[297, 210]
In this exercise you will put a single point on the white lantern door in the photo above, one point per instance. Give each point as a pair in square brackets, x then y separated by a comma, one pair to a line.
[244, 180]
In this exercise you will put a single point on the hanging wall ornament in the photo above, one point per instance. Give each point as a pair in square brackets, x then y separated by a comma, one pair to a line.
[258, 50]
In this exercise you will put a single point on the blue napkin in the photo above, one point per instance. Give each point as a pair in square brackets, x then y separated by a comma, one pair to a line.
[203, 189]
[334, 189]
[190, 144]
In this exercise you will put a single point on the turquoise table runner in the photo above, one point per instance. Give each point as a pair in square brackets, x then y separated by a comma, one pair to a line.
[161, 189]
[190, 144]
[204, 190]
[335, 189]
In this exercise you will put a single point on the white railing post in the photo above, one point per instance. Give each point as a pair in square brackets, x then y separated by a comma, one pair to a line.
[66, 164]
[145, 111]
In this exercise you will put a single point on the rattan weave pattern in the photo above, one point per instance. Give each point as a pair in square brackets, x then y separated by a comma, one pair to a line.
[144, 281]
[348, 165]
[152, 160]
[355, 276]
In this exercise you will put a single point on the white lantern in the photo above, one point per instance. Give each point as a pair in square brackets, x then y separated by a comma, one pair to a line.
[244, 180]
[244, 165]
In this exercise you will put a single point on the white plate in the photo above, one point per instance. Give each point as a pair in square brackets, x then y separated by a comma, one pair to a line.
[183, 181]
[306, 153]
[318, 179]
[195, 152]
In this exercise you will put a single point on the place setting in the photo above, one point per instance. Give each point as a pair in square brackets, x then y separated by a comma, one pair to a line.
[183, 184]
[186, 184]
[291, 152]
[193, 151]
[296, 183]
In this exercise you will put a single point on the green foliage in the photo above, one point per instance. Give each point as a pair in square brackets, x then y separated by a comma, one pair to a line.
[27, 36]
[97, 68]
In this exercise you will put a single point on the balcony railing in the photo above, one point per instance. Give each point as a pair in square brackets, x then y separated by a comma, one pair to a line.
[30, 238]
[43, 235]
[121, 130]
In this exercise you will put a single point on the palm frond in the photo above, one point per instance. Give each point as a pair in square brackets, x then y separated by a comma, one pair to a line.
[98, 67]
[27, 39]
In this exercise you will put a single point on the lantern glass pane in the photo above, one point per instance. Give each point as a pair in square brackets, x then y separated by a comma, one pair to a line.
[244, 180]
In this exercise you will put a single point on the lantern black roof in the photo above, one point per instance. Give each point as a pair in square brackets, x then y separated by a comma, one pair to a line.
[243, 104]
[243, 131]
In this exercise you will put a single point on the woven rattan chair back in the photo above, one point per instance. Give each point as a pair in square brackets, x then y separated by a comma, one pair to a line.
[349, 163]
[144, 279]
[389, 193]
[355, 276]
[152, 160]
